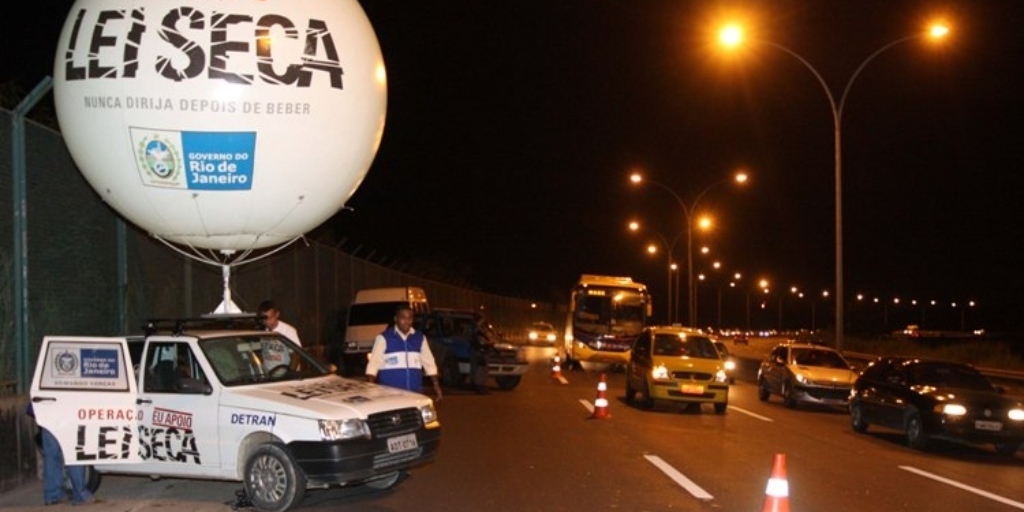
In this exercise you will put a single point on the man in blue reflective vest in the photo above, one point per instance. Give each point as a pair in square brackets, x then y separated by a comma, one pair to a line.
[401, 356]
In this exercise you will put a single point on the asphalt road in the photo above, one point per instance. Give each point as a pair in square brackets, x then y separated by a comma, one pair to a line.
[536, 448]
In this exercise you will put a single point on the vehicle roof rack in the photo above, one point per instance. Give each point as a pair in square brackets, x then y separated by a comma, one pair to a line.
[209, 321]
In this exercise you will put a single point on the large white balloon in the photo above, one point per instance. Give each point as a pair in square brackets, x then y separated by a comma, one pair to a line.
[226, 125]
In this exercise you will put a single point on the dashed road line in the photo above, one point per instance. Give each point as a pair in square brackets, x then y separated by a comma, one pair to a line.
[589, 406]
[751, 414]
[679, 478]
[954, 483]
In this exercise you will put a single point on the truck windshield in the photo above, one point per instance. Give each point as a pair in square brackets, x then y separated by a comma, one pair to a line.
[373, 313]
[239, 360]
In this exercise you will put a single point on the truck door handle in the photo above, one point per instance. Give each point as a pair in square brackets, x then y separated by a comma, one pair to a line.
[37, 399]
[140, 401]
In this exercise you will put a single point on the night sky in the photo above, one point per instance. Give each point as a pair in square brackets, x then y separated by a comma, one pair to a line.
[512, 128]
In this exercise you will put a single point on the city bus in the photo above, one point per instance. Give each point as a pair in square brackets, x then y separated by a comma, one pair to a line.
[606, 314]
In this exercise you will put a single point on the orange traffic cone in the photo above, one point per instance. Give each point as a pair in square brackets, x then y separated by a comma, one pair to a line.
[556, 368]
[777, 494]
[601, 403]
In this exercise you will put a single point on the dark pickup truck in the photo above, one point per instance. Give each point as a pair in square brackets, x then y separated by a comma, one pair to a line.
[448, 331]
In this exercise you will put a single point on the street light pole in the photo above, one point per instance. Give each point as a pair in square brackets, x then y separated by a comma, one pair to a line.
[731, 36]
[687, 211]
[671, 267]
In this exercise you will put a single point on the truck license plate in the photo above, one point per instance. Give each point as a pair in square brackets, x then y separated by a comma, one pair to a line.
[402, 443]
[994, 426]
[691, 389]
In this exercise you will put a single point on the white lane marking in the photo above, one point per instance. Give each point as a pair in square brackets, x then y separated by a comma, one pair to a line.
[588, 405]
[679, 478]
[979, 492]
[751, 414]
[562, 379]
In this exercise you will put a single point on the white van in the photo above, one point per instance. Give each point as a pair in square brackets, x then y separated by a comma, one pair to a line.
[370, 313]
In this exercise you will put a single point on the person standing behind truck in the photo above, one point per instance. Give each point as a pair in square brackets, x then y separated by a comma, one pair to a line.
[479, 343]
[54, 471]
[274, 351]
[272, 321]
[401, 356]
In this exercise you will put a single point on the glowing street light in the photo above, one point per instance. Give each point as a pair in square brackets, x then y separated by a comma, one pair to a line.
[740, 178]
[669, 249]
[732, 36]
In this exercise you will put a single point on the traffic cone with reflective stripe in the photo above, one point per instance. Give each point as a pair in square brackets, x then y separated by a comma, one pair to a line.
[777, 494]
[601, 403]
[556, 368]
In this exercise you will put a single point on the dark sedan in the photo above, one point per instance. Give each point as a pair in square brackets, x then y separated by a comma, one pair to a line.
[936, 399]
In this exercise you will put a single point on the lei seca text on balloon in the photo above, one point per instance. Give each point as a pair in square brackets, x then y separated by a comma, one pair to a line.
[92, 42]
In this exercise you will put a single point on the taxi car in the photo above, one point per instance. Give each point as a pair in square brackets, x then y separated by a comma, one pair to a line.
[804, 373]
[928, 399]
[677, 364]
[224, 399]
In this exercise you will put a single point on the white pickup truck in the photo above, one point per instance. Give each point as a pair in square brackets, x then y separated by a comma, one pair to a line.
[207, 399]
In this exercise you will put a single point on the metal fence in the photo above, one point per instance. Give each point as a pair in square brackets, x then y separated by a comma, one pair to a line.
[87, 272]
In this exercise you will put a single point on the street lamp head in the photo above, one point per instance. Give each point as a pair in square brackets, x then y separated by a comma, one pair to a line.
[741, 177]
[731, 35]
[636, 178]
[938, 30]
[634, 226]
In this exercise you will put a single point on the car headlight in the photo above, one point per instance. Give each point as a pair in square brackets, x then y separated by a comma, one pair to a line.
[1016, 414]
[730, 365]
[951, 409]
[429, 414]
[659, 372]
[800, 378]
[340, 430]
[533, 336]
[551, 338]
[720, 376]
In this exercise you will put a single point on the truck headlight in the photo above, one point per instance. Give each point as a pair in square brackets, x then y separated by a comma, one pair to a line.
[341, 430]
[428, 413]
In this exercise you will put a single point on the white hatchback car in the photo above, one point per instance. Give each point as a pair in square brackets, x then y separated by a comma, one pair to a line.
[216, 402]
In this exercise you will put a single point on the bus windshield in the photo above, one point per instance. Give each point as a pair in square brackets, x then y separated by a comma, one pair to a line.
[609, 310]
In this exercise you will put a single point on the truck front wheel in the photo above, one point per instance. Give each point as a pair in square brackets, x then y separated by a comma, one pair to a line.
[272, 480]
[507, 381]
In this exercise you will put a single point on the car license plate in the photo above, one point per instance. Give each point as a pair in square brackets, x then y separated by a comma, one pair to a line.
[994, 426]
[691, 389]
[402, 443]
